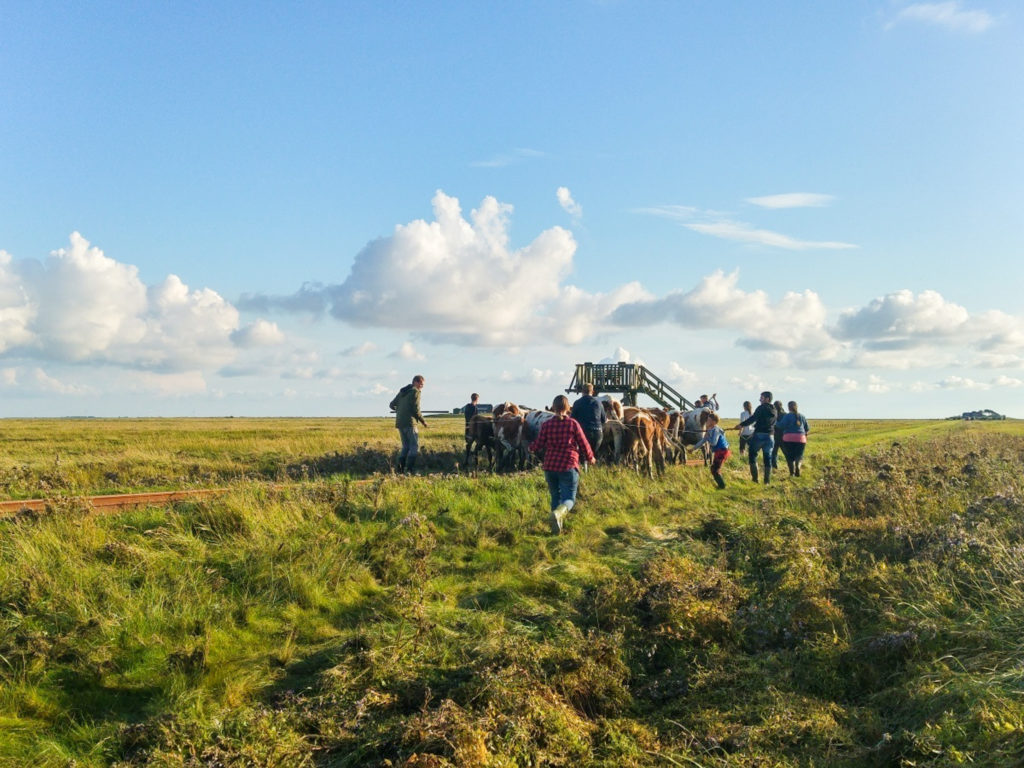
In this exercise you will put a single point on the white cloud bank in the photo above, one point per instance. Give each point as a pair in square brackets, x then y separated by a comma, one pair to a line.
[457, 280]
[949, 15]
[79, 306]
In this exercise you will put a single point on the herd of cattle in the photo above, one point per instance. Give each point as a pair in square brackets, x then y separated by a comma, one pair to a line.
[644, 438]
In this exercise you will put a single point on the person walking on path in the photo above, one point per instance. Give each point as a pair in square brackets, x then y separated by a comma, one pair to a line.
[746, 432]
[589, 412]
[763, 439]
[779, 413]
[406, 406]
[563, 443]
[794, 438]
[715, 437]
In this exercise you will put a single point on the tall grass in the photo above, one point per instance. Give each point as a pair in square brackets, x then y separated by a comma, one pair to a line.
[867, 613]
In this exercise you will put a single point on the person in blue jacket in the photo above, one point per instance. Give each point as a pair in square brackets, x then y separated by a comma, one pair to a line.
[794, 429]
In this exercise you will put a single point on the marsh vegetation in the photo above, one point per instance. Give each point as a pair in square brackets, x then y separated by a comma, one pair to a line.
[325, 612]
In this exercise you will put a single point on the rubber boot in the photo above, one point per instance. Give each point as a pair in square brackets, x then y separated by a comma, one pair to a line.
[797, 470]
[719, 480]
[792, 468]
[767, 472]
[410, 464]
[753, 471]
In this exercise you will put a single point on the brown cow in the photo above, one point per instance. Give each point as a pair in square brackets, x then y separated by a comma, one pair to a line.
[644, 441]
[480, 435]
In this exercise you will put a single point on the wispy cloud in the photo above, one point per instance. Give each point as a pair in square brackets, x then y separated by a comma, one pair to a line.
[569, 205]
[508, 158]
[721, 226]
[792, 200]
[533, 376]
[948, 15]
[745, 233]
[841, 385]
[960, 382]
[358, 351]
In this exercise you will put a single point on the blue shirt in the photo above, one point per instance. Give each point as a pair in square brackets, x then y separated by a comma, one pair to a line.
[715, 437]
[794, 424]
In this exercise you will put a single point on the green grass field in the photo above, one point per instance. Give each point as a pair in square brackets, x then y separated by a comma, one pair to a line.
[325, 612]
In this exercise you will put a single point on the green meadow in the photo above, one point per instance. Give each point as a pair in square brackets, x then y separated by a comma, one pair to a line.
[326, 612]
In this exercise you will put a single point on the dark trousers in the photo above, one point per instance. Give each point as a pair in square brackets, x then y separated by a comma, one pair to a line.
[794, 453]
[764, 443]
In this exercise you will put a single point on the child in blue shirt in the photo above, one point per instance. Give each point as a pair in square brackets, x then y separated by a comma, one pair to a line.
[715, 437]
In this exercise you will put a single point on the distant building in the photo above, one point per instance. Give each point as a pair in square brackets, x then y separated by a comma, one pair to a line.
[985, 414]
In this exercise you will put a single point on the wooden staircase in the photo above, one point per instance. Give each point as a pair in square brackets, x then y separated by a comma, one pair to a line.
[629, 380]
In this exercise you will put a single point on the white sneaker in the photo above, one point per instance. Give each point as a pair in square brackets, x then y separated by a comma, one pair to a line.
[557, 517]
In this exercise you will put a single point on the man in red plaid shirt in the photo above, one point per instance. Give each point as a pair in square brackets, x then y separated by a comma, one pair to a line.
[562, 441]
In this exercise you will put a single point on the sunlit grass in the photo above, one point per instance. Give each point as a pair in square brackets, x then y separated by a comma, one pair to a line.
[865, 613]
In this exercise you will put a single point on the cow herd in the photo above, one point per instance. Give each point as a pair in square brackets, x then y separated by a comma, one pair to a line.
[643, 438]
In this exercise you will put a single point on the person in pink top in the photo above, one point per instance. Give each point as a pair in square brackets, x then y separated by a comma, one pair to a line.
[563, 443]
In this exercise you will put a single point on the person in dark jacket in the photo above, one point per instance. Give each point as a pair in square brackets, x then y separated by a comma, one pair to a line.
[763, 439]
[589, 412]
[406, 406]
[469, 410]
[794, 437]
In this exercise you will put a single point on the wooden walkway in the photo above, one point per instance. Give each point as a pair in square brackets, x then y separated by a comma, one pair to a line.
[110, 503]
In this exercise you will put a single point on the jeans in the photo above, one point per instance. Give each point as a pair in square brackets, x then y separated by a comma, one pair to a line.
[763, 442]
[562, 486]
[410, 444]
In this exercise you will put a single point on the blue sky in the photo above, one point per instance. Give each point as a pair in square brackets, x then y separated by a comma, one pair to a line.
[290, 209]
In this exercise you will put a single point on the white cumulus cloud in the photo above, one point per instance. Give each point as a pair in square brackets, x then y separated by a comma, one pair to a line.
[79, 305]
[260, 333]
[458, 280]
[407, 352]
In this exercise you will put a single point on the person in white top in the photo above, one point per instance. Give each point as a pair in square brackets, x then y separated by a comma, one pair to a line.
[746, 432]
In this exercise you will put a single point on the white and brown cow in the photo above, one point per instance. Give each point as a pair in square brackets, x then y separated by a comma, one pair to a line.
[511, 441]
